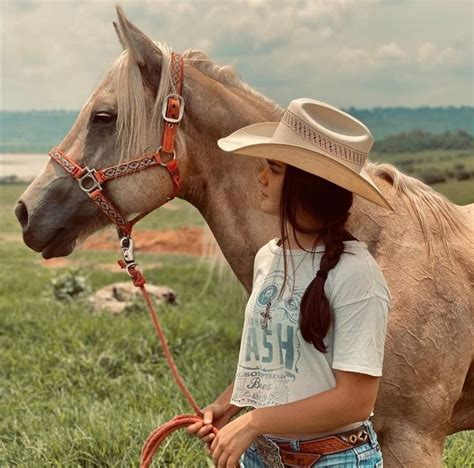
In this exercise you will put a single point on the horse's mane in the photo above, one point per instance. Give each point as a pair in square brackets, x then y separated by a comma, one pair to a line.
[423, 199]
[132, 120]
[136, 130]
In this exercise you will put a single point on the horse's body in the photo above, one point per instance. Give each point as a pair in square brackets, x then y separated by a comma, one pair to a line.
[427, 388]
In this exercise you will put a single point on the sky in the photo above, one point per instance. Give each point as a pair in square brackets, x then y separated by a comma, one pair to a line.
[362, 53]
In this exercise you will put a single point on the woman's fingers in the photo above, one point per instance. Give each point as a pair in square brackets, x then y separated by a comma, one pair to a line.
[208, 438]
[204, 430]
[193, 428]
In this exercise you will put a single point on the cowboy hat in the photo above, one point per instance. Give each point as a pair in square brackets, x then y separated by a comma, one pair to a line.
[315, 137]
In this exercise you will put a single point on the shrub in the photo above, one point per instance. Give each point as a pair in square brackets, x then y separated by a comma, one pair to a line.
[70, 286]
[433, 176]
[462, 175]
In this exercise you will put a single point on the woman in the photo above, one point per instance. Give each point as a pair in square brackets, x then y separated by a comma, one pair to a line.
[311, 354]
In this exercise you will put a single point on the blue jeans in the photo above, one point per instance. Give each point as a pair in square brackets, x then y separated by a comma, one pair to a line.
[365, 455]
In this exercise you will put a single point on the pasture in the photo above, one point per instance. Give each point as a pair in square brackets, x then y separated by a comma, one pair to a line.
[85, 390]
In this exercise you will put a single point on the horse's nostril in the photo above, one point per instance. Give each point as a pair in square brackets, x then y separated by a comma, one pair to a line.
[21, 212]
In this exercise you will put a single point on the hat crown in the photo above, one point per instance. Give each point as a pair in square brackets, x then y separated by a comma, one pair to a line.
[333, 122]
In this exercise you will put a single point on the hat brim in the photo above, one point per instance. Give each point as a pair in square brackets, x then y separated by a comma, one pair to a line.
[255, 140]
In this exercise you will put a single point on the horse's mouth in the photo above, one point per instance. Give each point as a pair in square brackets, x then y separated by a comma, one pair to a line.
[59, 246]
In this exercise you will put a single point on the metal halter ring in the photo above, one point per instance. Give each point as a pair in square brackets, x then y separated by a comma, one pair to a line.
[165, 107]
[89, 174]
[161, 162]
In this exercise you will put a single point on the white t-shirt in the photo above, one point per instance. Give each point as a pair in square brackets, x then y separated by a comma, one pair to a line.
[276, 365]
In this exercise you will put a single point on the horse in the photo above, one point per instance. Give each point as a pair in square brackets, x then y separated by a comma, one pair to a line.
[424, 249]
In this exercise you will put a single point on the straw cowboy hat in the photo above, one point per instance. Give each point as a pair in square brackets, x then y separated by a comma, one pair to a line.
[315, 137]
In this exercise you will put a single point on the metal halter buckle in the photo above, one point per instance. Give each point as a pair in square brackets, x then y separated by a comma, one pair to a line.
[89, 174]
[127, 247]
[165, 107]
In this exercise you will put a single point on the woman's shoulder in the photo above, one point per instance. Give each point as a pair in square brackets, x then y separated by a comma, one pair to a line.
[356, 276]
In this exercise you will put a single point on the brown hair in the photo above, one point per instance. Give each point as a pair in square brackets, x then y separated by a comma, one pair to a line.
[329, 204]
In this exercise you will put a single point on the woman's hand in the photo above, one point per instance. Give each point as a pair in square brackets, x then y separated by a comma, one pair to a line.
[214, 414]
[232, 441]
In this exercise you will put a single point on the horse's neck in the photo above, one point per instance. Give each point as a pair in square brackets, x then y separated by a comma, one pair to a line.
[223, 187]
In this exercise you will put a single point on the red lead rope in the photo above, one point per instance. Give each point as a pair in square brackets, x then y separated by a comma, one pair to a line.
[155, 439]
[90, 181]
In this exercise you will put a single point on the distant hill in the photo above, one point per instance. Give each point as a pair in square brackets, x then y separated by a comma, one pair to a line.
[38, 131]
[387, 121]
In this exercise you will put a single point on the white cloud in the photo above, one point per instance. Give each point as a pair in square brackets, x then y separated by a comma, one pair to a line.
[354, 58]
[390, 52]
[430, 55]
[55, 52]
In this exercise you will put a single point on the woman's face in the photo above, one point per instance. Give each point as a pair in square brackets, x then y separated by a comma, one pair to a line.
[270, 185]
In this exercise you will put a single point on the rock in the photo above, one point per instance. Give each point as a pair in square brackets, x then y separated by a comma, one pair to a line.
[116, 297]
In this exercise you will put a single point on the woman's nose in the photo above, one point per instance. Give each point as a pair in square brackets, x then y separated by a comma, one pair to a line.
[261, 177]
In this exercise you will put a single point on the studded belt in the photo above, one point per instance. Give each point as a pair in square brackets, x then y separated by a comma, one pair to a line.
[280, 454]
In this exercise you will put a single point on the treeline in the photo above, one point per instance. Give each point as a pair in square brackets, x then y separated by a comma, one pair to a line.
[395, 129]
[419, 140]
[387, 121]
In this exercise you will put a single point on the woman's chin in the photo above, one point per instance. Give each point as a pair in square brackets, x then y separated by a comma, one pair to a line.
[265, 208]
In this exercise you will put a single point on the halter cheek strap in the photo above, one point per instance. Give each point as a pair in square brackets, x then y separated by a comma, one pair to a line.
[91, 180]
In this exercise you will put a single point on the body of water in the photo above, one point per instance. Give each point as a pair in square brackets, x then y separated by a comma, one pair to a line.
[23, 166]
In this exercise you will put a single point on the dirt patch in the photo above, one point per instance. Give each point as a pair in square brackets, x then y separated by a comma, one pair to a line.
[186, 240]
[57, 262]
[112, 267]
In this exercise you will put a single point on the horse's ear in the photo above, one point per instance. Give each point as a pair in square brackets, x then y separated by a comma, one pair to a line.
[119, 35]
[140, 47]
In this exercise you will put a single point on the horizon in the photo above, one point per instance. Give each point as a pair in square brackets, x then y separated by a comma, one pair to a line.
[446, 106]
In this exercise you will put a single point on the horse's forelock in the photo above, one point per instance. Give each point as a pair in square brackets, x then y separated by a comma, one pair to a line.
[137, 129]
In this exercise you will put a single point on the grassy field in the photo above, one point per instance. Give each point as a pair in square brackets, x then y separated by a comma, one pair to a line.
[448, 162]
[85, 390]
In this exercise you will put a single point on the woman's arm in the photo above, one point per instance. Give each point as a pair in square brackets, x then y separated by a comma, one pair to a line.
[350, 401]
[224, 399]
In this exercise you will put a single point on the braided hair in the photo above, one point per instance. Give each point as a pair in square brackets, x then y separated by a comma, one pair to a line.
[329, 204]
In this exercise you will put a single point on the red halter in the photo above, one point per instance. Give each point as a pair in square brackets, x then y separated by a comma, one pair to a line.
[91, 180]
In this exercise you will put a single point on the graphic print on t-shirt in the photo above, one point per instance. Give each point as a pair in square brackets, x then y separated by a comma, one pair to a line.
[271, 354]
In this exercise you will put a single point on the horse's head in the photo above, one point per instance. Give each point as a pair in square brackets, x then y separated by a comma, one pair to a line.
[120, 121]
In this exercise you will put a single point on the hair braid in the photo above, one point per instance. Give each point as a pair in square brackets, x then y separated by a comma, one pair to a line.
[314, 309]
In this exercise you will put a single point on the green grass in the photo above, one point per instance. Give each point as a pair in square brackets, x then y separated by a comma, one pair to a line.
[86, 390]
[441, 159]
[460, 192]
[78, 389]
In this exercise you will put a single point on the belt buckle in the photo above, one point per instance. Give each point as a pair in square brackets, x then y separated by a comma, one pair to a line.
[269, 452]
[355, 438]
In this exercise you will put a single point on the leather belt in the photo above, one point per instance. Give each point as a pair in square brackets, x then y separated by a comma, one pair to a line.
[277, 453]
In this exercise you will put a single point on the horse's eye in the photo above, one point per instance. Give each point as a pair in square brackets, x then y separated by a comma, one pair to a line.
[102, 117]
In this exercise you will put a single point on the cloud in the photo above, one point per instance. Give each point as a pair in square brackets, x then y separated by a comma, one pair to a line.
[430, 55]
[54, 53]
[390, 52]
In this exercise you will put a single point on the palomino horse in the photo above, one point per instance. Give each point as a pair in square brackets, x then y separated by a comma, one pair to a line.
[425, 250]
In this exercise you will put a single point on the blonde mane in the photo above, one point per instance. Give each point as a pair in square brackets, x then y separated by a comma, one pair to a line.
[423, 198]
[136, 132]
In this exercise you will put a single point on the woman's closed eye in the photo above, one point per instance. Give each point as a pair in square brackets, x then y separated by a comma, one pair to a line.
[273, 167]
